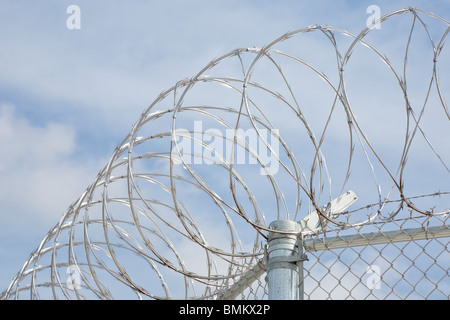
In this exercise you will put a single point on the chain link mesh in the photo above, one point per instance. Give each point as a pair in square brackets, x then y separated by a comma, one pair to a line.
[414, 269]
[170, 216]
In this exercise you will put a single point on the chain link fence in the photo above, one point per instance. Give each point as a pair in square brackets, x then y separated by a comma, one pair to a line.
[393, 267]
[395, 260]
[182, 209]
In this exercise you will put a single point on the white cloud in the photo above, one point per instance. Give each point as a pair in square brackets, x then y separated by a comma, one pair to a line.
[118, 62]
[40, 177]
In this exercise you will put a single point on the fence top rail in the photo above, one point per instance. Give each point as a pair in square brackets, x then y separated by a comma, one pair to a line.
[378, 237]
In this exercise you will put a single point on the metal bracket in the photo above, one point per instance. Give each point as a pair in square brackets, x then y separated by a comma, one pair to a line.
[332, 209]
[288, 262]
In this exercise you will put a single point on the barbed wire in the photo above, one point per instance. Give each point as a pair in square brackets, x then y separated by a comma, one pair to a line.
[177, 213]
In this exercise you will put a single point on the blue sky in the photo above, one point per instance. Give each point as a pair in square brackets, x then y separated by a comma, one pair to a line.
[68, 97]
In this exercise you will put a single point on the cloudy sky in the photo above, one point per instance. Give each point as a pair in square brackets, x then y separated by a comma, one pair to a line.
[68, 97]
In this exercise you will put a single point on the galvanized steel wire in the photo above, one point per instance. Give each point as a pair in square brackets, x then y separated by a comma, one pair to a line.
[143, 207]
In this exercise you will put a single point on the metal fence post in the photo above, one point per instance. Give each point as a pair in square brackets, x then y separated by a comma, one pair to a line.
[285, 262]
